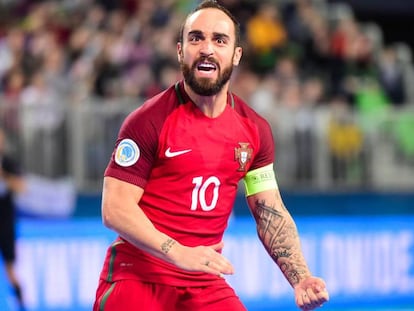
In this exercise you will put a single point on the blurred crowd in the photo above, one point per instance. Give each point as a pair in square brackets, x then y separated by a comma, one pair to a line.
[128, 48]
[296, 59]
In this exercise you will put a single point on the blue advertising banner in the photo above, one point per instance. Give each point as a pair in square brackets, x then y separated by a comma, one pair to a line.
[367, 262]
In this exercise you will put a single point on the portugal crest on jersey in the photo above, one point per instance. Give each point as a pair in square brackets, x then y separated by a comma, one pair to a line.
[243, 155]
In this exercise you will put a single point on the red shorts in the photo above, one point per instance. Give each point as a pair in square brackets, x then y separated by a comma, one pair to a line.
[133, 295]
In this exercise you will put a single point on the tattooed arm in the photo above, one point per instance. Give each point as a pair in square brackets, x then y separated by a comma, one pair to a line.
[279, 235]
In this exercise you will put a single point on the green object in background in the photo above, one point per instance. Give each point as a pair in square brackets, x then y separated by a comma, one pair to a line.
[371, 101]
[372, 105]
[404, 135]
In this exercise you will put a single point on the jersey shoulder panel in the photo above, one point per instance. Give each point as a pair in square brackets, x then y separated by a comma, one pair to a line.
[266, 152]
[154, 110]
[143, 126]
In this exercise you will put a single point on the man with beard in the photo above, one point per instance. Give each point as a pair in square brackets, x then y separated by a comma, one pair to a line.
[172, 180]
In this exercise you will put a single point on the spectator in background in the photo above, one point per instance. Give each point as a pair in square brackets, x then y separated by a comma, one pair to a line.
[345, 142]
[13, 84]
[296, 20]
[286, 72]
[245, 82]
[11, 183]
[345, 33]
[316, 58]
[266, 37]
[42, 117]
[305, 129]
[391, 77]
[309, 34]
[264, 97]
[11, 51]
[353, 57]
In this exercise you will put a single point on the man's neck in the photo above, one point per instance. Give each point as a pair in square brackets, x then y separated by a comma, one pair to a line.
[211, 106]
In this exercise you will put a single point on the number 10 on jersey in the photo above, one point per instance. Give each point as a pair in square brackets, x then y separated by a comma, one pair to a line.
[198, 197]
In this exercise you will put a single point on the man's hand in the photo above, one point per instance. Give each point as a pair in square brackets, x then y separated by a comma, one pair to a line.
[311, 293]
[201, 258]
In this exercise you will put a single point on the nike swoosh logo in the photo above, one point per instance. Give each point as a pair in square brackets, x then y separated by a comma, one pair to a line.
[171, 154]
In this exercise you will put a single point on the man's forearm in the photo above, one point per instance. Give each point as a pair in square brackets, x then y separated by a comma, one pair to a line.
[279, 235]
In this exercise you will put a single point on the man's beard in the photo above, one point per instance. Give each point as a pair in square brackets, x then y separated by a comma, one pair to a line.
[205, 86]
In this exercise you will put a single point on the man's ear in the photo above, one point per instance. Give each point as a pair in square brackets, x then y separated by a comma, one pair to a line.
[179, 52]
[237, 55]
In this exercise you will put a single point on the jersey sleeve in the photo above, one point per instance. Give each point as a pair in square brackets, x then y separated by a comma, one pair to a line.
[266, 153]
[137, 144]
[135, 149]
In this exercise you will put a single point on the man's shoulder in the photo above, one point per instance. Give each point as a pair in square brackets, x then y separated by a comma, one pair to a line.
[160, 101]
[157, 104]
[154, 109]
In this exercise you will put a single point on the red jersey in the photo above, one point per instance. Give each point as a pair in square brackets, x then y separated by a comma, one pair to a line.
[189, 166]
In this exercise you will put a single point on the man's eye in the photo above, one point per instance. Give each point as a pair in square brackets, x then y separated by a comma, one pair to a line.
[221, 40]
[194, 39]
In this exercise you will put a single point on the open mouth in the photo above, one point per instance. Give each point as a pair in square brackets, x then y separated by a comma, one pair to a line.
[206, 67]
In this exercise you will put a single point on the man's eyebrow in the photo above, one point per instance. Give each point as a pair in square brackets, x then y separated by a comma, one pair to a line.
[221, 35]
[215, 34]
[195, 33]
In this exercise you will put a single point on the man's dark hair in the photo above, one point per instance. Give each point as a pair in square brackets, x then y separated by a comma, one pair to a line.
[213, 4]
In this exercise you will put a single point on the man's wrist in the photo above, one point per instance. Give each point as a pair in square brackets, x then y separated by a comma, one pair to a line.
[167, 245]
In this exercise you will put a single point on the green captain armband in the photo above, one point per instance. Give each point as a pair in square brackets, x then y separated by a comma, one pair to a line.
[260, 179]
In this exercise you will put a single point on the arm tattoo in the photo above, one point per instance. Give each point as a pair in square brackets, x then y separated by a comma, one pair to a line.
[279, 235]
[166, 246]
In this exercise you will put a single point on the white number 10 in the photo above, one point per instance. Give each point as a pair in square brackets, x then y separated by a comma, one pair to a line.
[199, 193]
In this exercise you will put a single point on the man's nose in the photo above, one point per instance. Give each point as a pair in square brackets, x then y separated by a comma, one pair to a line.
[207, 48]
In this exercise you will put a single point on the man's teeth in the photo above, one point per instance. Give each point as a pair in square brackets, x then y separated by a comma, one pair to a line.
[206, 67]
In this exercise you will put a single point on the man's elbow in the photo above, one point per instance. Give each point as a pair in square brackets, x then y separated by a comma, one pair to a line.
[108, 217]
